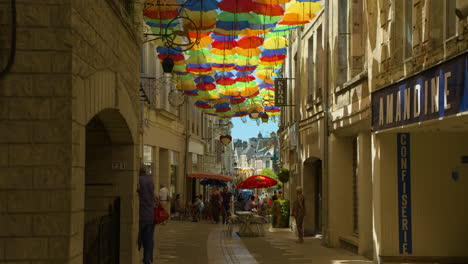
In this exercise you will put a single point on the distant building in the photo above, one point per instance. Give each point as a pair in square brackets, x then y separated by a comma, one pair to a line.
[254, 155]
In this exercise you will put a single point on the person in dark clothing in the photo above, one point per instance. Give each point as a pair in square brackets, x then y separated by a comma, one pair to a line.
[275, 197]
[226, 205]
[146, 221]
[215, 203]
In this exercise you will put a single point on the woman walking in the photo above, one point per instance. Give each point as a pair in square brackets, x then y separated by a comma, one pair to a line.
[215, 202]
[299, 213]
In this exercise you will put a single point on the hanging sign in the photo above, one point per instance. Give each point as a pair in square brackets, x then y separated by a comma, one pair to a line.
[281, 96]
[404, 194]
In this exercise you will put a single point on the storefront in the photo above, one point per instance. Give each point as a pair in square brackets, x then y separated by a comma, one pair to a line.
[420, 165]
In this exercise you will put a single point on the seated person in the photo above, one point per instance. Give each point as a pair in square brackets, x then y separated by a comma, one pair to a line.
[251, 204]
[264, 208]
[198, 207]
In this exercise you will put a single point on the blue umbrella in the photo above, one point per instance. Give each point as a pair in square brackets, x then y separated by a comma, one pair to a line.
[211, 182]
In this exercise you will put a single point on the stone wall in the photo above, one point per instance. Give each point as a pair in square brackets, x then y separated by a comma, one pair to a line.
[35, 136]
[74, 59]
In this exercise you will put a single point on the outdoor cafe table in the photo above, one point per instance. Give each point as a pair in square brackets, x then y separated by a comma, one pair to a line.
[245, 229]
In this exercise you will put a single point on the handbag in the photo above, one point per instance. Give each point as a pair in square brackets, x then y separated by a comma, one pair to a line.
[160, 214]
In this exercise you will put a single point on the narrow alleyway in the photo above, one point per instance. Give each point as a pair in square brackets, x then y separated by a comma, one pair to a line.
[203, 243]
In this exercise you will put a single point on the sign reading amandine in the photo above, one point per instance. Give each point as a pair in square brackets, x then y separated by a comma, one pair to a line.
[437, 92]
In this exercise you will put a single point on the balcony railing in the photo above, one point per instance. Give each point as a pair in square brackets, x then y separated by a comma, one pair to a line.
[155, 92]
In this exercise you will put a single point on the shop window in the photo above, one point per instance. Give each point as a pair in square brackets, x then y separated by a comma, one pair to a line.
[174, 167]
[355, 188]
[343, 41]
[148, 161]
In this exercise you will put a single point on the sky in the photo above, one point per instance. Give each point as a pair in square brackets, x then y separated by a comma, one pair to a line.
[250, 129]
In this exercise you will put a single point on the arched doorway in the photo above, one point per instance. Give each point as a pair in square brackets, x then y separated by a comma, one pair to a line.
[313, 193]
[109, 182]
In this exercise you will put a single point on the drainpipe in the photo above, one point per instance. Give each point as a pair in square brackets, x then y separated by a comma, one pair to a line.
[186, 159]
[297, 108]
[290, 82]
[325, 106]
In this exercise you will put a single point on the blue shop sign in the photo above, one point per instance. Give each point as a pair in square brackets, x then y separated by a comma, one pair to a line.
[436, 92]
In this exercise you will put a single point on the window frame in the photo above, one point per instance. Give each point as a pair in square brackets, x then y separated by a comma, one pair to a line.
[405, 28]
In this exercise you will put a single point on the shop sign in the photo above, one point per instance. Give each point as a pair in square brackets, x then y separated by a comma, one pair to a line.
[434, 93]
[404, 194]
[281, 96]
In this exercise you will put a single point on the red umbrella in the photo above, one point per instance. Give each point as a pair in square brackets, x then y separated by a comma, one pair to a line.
[257, 181]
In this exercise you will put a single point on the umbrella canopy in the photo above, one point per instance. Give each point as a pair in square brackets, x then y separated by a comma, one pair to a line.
[211, 182]
[212, 176]
[257, 181]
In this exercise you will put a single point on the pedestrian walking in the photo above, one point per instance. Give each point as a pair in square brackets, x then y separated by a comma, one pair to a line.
[146, 221]
[164, 198]
[226, 204]
[215, 203]
[299, 212]
[179, 209]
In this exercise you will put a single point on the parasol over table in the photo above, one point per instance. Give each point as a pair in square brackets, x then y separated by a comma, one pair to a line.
[256, 182]
[204, 175]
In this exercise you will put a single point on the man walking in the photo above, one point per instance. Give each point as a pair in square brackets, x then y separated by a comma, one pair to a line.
[226, 204]
[146, 230]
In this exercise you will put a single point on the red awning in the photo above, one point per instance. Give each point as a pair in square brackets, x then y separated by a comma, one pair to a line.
[213, 176]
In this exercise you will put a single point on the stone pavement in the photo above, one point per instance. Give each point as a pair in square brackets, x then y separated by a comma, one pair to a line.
[204, 243]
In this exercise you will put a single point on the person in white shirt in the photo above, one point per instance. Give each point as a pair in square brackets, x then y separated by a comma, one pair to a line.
[164, 198]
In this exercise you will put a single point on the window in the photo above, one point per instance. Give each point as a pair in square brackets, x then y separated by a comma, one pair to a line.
[355, 187]
[319, 65]
[310, 65]
[408, 28]
[143, 60]
[450, 19]
[357, 38]
[268, 164]
[343, 36]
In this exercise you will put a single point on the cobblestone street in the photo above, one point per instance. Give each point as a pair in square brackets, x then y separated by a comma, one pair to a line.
[187, 242]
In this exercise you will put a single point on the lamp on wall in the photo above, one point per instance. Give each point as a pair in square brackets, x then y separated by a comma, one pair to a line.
[462, 10]
[264, 117]
[168, 65]
[254, 114]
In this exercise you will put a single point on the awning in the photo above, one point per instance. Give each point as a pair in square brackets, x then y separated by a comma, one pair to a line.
[213, 176]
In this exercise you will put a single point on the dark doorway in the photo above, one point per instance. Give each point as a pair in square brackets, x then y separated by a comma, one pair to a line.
[313, 193]
[318, 197]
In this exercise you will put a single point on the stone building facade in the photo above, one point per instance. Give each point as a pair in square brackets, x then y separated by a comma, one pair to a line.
[176, 139]
[343, 151]
[69, 124]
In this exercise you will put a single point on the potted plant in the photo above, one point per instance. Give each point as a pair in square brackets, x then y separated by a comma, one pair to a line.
[283, 175]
